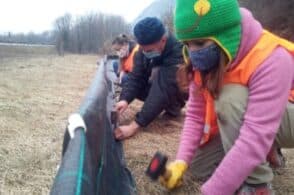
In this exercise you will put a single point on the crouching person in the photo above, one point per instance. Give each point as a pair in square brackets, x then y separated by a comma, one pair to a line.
[125, 49]
[239, 113]
[153, 78]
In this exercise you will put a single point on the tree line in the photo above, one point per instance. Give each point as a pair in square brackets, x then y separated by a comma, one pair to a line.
[46, 38]
[90, 33]
[87, 34]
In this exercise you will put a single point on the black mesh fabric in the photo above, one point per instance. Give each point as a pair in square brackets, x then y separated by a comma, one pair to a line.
[93, 161]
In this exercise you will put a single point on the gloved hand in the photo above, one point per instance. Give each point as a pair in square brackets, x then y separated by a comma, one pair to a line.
[174, 174]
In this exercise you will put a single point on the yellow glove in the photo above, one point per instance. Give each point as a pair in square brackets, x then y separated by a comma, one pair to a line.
[174, 174]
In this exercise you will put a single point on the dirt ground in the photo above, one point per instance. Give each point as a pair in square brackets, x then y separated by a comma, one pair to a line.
[37, 93]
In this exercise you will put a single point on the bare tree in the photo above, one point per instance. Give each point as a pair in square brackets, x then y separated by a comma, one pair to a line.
[62, 28]
[87, 33]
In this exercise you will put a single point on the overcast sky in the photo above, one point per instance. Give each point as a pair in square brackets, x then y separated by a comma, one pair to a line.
[39, 15]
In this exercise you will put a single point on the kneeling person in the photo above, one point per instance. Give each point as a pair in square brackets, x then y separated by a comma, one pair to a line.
[126, 49]
[153, 78]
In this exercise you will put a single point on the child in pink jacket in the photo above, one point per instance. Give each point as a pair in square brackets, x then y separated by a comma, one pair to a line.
[239, 113]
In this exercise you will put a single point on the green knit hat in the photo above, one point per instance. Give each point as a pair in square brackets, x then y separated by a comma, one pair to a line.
[218, 20]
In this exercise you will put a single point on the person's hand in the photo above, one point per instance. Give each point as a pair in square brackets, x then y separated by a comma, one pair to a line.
[126, 131]
[121, 106]
[175, 174]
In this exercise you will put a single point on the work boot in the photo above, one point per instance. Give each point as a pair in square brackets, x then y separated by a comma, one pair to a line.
[256, 189]
[171, 113]
[174, 110]
[276, 158]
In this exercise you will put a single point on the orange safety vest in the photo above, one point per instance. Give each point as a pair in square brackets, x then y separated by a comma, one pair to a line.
[241, 75]
[127, 64]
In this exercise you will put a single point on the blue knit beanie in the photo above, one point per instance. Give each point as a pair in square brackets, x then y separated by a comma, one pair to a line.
[149, 30]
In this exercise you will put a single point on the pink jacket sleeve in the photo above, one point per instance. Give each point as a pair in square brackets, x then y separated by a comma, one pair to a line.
[268, 93]
[193, 126]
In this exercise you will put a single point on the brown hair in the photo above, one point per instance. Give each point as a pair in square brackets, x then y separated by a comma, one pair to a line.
[211, 81]
[121, 39]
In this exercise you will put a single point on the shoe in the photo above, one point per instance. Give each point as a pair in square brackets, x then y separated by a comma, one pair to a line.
[172, 113]
[276, 158]
[174, 110]
[168, 116]
[256, 189]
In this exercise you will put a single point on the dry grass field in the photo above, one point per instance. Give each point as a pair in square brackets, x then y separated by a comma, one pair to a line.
[38, 90]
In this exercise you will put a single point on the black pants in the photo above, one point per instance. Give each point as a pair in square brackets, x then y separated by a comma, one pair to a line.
[174, 108]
